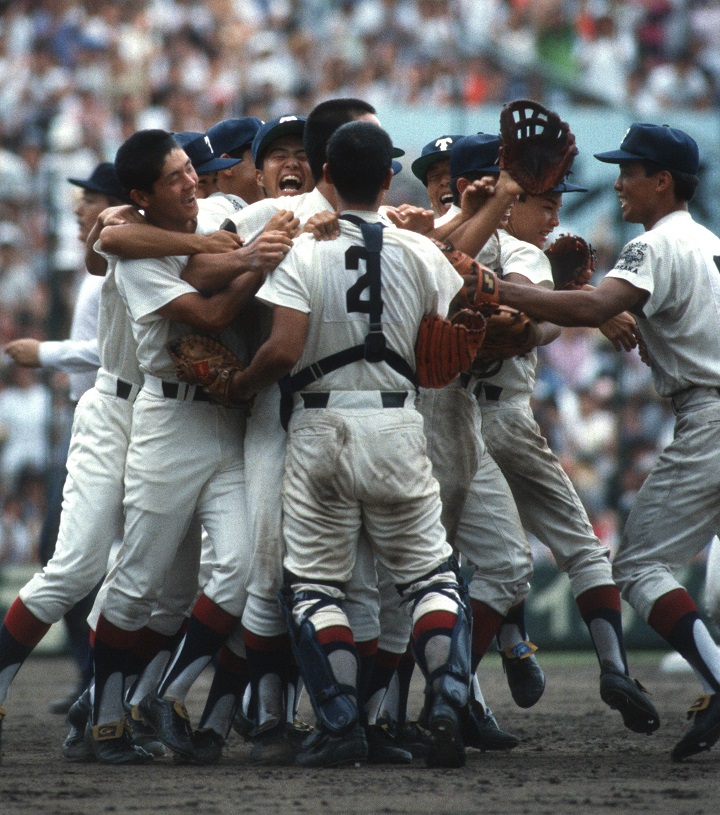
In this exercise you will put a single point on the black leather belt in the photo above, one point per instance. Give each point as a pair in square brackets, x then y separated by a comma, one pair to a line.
[123, 389]
[171, 389]
[491, 392]
[320, 399]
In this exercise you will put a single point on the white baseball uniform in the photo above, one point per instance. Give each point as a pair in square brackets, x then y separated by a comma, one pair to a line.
[546, 499]
[356, 463]
[677, 510]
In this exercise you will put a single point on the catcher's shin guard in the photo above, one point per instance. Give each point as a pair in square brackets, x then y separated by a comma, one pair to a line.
[452, 679]
[335, 704]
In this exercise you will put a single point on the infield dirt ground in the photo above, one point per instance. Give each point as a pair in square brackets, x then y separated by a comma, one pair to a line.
[575, 757]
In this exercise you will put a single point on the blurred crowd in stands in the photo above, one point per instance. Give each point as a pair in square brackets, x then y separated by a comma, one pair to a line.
[77, 78]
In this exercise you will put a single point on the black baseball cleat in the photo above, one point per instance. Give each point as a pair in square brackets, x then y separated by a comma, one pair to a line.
[323, 749]
[447, 748]
[625, 694]
[414, 738]
[383, 747]
[170, 721]
[78, 745]
[207, 746]
[144, 734]
[113, 744]
[481, 731]
[704, 730]
[525, 677]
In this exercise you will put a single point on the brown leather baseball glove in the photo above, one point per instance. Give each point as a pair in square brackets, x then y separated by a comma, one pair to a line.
[205, 361]
[537, 148]
[508, 333]
[445, 349]
[572, 260]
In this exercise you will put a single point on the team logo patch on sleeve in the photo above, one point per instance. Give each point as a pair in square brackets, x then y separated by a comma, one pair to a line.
[632, 257]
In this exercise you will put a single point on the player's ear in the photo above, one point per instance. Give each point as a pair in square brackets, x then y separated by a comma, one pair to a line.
[260, 179]
[326, 174]
[388, 180]
[140, 198]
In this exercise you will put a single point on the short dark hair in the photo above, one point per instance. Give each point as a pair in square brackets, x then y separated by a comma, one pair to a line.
[139, 160]
[322, 121]
[685, 184]
[359, 155]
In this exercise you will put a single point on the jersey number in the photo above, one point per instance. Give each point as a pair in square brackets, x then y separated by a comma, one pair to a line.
[353, 256]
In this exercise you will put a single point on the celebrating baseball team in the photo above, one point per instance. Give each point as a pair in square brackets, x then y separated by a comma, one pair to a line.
[311, 432]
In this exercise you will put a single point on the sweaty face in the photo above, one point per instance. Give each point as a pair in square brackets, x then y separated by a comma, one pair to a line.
[438, 186]
[89, 206]
[533, 219]
[285, 169]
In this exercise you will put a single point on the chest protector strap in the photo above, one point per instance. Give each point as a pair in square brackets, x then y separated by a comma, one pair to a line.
[374, 348]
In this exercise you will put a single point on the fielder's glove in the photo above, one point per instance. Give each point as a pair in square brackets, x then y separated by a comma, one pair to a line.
[206, 362]
[572, 260]
[537, 148]
[508, 333]
[445, 349]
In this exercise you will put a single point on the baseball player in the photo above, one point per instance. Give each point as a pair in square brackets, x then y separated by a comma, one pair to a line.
[548, 504]
[162, 182]
[667, 277]
[340, 472]
[84, 538]
[233, 138]
[432, 167]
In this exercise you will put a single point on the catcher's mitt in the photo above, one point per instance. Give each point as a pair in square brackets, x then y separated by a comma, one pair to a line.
[537, 148]
[205, 361]
[508, 333]
[444, 349]
[572, 260]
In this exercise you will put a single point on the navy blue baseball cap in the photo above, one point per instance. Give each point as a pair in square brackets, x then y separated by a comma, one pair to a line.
[475, 154]
[103, 179]
[199, 150]
[672, 149]
[274, 129]
[434, 151]
[233, 134]
[566, 186]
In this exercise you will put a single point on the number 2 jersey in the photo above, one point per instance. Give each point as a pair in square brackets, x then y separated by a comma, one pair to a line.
[325, 279]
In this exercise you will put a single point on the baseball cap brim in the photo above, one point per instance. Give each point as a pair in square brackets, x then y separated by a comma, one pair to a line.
[616, 156]
[421, 165]
[88, 185]
[566, 186]
[216, 164]
[292, 127]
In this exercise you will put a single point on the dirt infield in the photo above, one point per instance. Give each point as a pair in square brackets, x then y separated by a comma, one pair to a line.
[574, 757]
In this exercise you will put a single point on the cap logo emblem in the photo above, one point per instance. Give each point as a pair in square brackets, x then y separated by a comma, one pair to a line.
[284, 119]
[444, 143]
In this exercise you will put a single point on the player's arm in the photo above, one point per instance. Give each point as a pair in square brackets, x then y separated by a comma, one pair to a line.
[490, 207]
[214, 313]
[275, 358]
[137, 241]
[573, 308]
[70, 356]
[545, 332]
[212, 272]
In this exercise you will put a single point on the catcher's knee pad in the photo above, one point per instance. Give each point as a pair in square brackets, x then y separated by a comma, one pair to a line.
[445, 589]
[335, 705]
